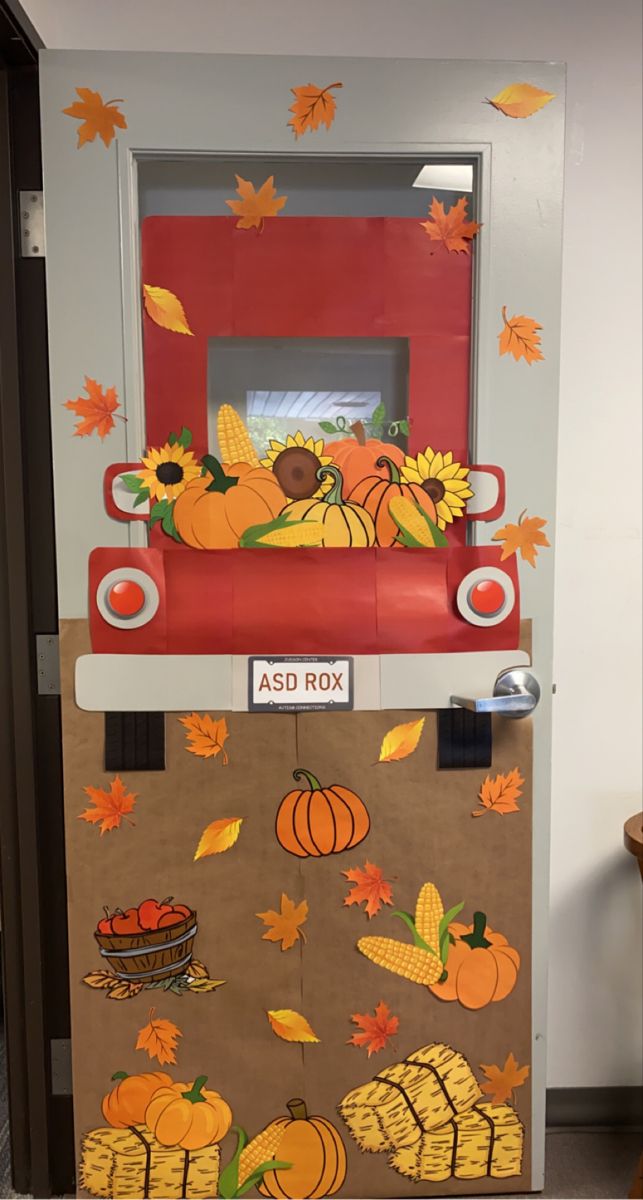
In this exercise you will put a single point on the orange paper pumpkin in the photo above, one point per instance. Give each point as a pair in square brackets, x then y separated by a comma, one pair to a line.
[374, 493]
[481, 968]
[357, 456]
[215, 509]
[316, 1153]
[186, 1115]
[316, 821]
[125, 1105]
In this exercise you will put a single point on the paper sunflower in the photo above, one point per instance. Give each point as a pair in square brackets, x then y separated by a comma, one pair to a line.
[169, 470]
[295, 462]
[444, 480]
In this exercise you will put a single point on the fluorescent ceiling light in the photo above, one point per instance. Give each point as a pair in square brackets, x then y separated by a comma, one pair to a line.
[446, 177]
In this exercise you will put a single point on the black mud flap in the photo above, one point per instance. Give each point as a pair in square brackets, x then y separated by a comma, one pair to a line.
[464, 739]
[135, 741]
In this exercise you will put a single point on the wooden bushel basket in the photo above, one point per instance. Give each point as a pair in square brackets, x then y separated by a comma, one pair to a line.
[157, 954]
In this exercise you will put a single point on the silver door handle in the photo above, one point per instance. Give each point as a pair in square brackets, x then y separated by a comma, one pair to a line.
[515, 694]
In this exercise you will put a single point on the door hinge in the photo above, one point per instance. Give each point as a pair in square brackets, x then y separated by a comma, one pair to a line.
[61, 1079]
[32, 224]
[48, 664]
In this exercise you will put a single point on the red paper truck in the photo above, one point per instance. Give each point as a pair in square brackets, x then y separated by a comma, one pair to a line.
[392, 339]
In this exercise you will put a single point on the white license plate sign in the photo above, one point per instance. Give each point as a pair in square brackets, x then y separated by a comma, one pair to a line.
[287, 684]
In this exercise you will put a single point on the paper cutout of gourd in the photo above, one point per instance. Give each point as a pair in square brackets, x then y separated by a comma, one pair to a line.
[344, 522]
[471, 964]
[215, 509]
[358, 456]
[315, 821]
[428, 1113]
[311, 1145]
[375, 493]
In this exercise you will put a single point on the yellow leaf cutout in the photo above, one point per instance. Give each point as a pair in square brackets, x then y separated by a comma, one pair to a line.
[159, 1038]
[205, 985]
[165, 309]
[401, 741]
[520, 337]
[500, 794]
[218, 836]
[206, 735]
[290, 1025]
[521, 100]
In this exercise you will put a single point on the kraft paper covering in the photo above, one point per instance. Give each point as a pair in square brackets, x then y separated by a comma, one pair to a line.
[421, 829]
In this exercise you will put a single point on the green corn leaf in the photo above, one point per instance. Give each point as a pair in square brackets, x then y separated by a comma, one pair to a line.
[449, 917]
[417, 940]
[258, 1174]
[229, 1177]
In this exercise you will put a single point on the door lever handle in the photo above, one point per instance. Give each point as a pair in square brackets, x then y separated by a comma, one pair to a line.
[515, 694]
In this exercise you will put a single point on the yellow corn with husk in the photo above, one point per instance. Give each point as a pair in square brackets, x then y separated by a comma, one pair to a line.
[412, 521]
[234, 440]
[411, 962]
[284, 533]
[262, 1149]
[429, 911]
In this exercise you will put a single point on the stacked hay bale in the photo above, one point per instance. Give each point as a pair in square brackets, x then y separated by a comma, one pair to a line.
[427, 1111]
[131, 1163]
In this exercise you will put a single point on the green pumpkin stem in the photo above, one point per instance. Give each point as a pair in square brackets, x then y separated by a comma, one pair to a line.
[194, 1094]
[313, 782]
[384, 461]
[476, 939]
[220, 481]
[297, 1109]
[334, 496]
[120, 1075]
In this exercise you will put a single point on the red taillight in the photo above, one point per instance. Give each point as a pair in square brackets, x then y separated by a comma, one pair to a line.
[486, 596]
[127, 598]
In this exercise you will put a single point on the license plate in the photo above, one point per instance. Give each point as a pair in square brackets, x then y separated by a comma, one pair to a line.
[288, 684]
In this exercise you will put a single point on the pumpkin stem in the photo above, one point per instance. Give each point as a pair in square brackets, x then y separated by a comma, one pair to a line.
[476, 939]
[297, 1109]
[394, 474]
[313, 782]
[334, 496]
[220, 481]
[194, 1094]
[120, 1075]
[360, 433]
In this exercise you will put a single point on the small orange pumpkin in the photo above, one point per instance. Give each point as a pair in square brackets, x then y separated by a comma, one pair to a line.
[316, 821]
[214, 510]
[315, 1151]
[186, 1115]
[126, 1103]
[344, 522]
[481, 968]
[374, 493]
[357, 456]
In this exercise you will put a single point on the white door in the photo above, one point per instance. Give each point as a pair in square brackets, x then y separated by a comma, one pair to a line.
[385, 271]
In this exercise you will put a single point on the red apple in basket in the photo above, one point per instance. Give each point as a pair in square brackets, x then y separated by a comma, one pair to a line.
[105, 923]
[183, 910]
[169, 919]
[150, 912]
[126, 922]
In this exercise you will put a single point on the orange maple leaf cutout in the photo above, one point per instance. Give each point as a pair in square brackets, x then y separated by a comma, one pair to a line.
[98, 116]
[526, 536]
[370, 886]
[283, 926]
[500, 794]
[501, 1083]
[206, 736]
[254, 207]
[159, 1038]
[95, 410]
[377, 1030]
[313, 107]
[110, 807]
[520, 337]
[451, 228]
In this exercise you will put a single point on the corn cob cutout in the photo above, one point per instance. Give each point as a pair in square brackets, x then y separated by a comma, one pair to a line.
[416, 527]
[234, 440]
[284, 533]
[425, 961]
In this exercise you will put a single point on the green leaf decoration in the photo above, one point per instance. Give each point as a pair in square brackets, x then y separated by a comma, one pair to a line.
[167, 524]
[172, 439]
[157, 512]
[328, 427]
[133, 483]
[403, 427]
[378, 415]
[143, 495]
[185, 438]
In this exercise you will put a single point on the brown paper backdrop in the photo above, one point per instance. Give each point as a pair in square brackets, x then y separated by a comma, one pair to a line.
[421, 829]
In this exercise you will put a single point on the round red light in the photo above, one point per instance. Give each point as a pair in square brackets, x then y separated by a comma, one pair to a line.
[126, 598]
[487, 597]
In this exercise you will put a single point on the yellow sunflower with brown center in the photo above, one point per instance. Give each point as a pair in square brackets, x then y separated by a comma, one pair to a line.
[444, 480]
[169, 470]
[295, 463]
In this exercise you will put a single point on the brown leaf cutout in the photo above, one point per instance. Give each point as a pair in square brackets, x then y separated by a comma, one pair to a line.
[521, 100]
[501, 794]
[502, 1082]
[313, 107]
[98, 116]
[96, 410]
[401, 740]
[526, 536]
[165, 309]
[159, 1038]
[111, 807]
[520, 337]
[219, 836]
[283, 926]
[254, 207]
[206, 735]
[290, 1026]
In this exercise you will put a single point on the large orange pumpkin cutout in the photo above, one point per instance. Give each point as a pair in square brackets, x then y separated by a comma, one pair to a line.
[215, 509]
[482, 967]
[311, 1145]
[374, 493]
[315, 821]
[357, 456]
[125, 1105]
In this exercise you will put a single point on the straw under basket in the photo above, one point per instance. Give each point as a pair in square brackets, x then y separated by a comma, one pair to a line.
[157, 954]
